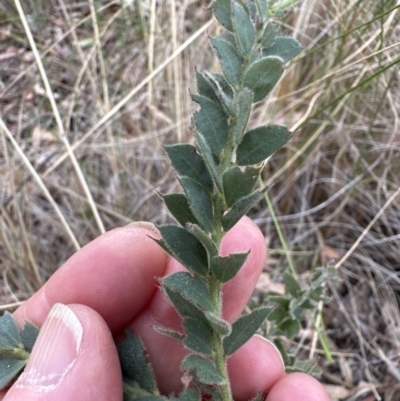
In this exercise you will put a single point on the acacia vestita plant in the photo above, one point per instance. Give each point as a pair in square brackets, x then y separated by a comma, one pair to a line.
[218, 175]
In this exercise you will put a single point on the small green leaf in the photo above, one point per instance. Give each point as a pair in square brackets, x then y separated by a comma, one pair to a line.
[268, 36]
[198, 336]
[225, 268]
[239, 209]
[231, 60]
[278, 314]
[263, 75]
[244, 328]
[284, 47]
[200, 202]
[260, 143]
[29, 335]
[292, 285]
[9, 369]
[222, 12]
[9, 333]
[191, 288]
[134, 365]
[290, 327]
[184, 307]
[238, 183]
[178, 205]
[212, 122]
[243, 104]
[244, 29]
[189, 394]
[262, 9]
[220, 325]
[209, 160]
[185, 247]
[205, 87]
[224, 96]
[169, 333]
[203, 237]
[204, 370]
[188, 162]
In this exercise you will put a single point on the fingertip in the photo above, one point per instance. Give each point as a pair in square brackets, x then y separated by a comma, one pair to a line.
[254, 368]
[297, 386]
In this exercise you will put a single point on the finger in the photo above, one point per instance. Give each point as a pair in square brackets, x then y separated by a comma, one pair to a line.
[114, 275]
[166, 354]
[298, 386]
[74, 358]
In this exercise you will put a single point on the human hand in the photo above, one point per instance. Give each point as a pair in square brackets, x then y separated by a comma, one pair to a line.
[111, 284]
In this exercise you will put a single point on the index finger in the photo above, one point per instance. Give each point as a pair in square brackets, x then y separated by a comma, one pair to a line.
[115, 275]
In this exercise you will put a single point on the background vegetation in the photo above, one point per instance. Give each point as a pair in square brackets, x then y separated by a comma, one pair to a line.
[120, 73]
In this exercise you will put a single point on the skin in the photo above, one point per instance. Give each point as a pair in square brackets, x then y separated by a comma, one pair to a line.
[111, 284]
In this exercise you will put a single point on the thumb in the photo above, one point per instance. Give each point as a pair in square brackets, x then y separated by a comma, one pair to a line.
[74, 358]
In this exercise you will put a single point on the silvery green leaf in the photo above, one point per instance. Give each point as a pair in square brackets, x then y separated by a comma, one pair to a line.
[185, 247]
[223, 13]
[290, 327]
[9, 369]
[189, 394]
[244, 29]
[244, 328]
[191, 288]
[169, 333]
[219, 324]
[29, 335]
[225, 268]
[203, 369]
[203, 237]
[178, 205]
[222, 93]
[284, 47]
[209, 160]
[212, 122]
[187, 161]
[268, 36]
[238, 183]
[263, 75]
[260, 143]
[134, 365]
[229, 56]
[9, 333]
[199, 201]
[198, 336]
[239, 209]
[262, 9]
[292, 286]
[242, 102]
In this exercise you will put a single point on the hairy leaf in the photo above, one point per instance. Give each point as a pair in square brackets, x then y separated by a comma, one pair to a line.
[212, 122]
[244, 328]
[185, 247]
[223, 93]
[243, 104]
[223, 13]
[220, 325]
[263, 75]
[284, 47]
[198, 336]
[188, 162]
[225, 268]
[191, 288]
[178, 205]
[9, 333]
[209, 160]
[29, 335]
[9, 369]
[260, 143]
[239, 209]
[204, 239]
[292, 285]
[200, 202]
[134, 365]
[238, 183]
[268, 36]
[244, 29]
[204, 370]
[231, 60]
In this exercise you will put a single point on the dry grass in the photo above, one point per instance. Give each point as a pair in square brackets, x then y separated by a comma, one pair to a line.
[119, 76]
